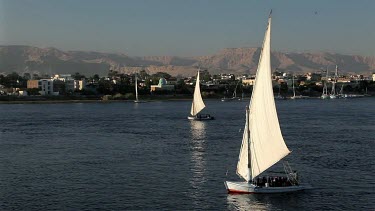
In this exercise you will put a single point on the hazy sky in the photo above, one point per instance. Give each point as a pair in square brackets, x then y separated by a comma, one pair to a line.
[189, 27]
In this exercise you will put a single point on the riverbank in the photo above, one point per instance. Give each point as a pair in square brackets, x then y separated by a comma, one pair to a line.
[82, 99]
[99, 99]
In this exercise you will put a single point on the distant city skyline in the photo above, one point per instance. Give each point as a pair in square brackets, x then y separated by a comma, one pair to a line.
[188, 28]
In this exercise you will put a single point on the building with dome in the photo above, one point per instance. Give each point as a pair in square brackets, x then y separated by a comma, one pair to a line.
[162, 86]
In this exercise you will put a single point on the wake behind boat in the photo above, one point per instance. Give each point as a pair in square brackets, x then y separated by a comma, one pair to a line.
[262, 143]
[198, 104]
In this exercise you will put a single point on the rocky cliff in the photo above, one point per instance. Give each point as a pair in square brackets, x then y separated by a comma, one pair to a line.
[231, 60]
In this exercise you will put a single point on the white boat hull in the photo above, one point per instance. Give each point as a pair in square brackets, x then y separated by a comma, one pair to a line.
[333, 96]
[246, 188]
[139, 101]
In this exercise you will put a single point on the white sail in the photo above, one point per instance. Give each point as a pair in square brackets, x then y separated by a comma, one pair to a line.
[136, 88]
[198, 103]
[267, 145]
[243, 169]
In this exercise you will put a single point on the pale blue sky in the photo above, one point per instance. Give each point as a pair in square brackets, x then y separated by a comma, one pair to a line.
[189, 27]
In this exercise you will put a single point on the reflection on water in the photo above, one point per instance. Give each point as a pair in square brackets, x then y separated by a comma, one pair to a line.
[282, 201]
[198, 130]
[153, 158]
[198, 163]
[246, 202]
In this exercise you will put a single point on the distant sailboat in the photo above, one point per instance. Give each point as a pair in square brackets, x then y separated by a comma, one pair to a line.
[198, 104]
[136, 91]
[235, 93]
[296, 97]
[262, 143]
[325, 87]
[234, 96]
[333, 94]
[279, 97]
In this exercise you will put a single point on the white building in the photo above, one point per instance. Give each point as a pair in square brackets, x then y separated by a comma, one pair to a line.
[70, 83]
[46, 87]
[373, 77]
[62, 77]
[163, 85]
[79, 84]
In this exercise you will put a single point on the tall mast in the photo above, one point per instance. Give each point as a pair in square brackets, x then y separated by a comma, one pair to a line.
[294, 91]
[248, 141]
[136, 87]
[326, 84]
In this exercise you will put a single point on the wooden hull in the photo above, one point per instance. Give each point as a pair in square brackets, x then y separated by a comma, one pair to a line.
[248, 188]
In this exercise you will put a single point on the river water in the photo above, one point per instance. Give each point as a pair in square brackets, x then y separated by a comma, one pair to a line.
[125, 156]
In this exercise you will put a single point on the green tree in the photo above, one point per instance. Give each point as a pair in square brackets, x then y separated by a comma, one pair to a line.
[36, 77]
[143, 74]
[96, 78]
[161, 75]
[33, 91]
[105, 87]
[78, 76]
[27, 76]
[205, 75]
[13, 80]
[112, 73]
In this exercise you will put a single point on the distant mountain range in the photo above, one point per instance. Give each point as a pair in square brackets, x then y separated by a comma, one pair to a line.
[30, 59]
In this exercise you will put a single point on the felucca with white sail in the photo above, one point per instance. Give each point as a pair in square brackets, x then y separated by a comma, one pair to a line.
[325, 87]
[198, 104]
[262, 143]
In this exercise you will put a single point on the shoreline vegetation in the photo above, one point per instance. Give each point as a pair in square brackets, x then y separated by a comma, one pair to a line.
[101, 99]
[82, 99]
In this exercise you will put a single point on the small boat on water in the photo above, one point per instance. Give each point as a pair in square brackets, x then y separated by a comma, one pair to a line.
[263, 144]
[198, 104]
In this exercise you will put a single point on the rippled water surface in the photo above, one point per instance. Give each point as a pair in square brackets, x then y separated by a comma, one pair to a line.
[117, 156]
